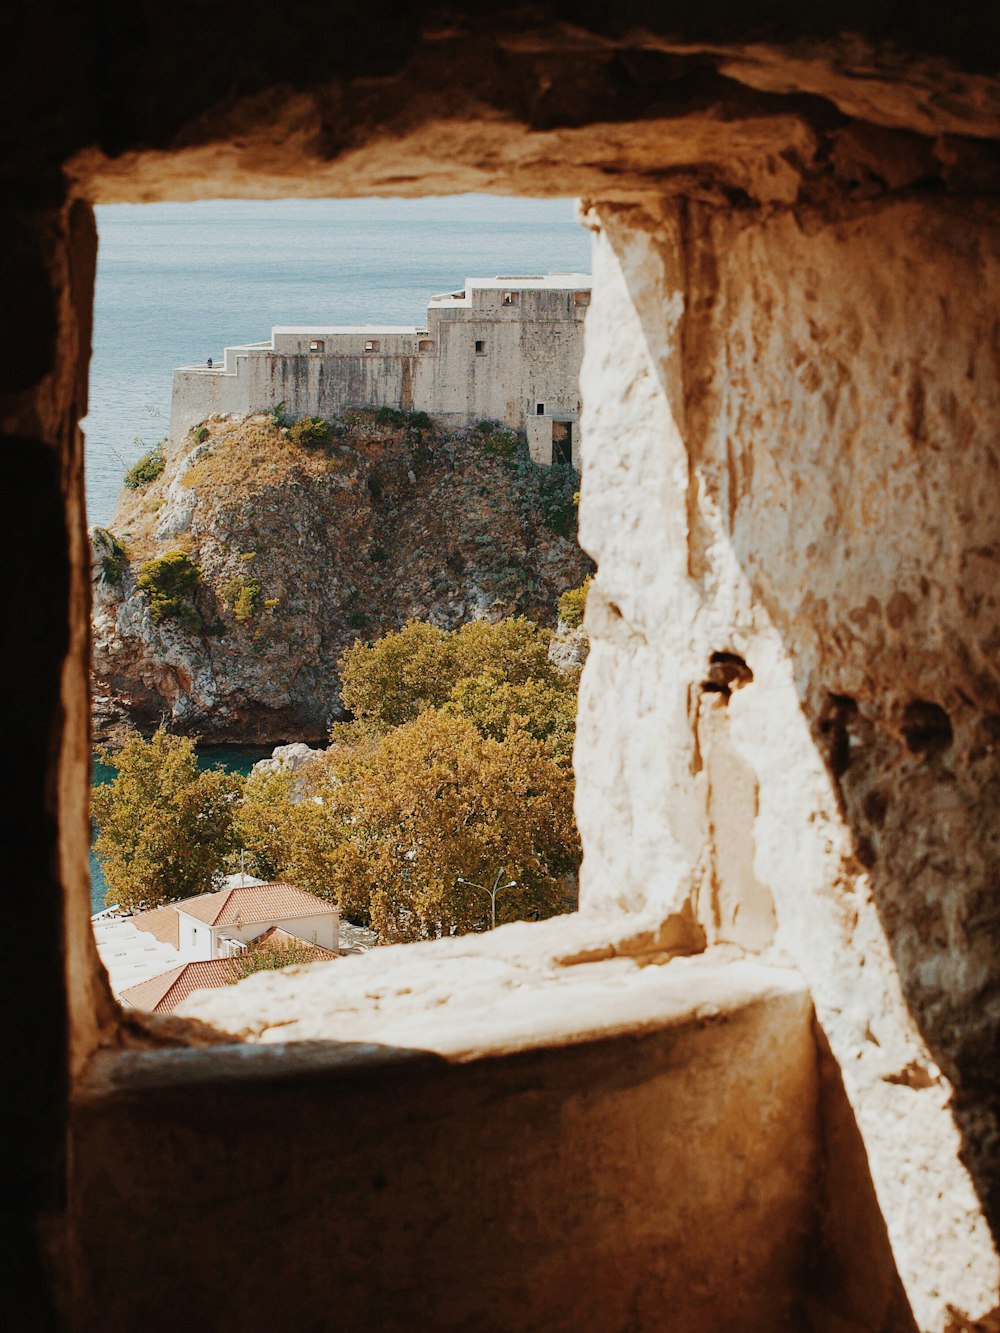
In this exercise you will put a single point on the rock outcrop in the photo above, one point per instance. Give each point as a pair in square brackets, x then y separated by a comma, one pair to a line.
[302, 549]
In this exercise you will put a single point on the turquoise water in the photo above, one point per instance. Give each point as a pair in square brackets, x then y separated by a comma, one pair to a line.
[176, 283]
[233, 758]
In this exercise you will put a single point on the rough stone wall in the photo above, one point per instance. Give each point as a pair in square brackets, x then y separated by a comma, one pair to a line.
[790, 479]
[663, 1179]
[767, 106]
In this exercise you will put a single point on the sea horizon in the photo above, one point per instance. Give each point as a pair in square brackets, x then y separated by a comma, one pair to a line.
[177, 283]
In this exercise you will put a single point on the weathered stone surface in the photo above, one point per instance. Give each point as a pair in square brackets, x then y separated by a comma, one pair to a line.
[816, 109]
[790, 471]
[604, 1168]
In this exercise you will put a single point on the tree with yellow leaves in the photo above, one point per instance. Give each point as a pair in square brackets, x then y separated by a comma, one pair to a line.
[403, 820]
[164, 826]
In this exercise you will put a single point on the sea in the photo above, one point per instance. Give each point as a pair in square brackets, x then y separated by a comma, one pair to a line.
[177, 283]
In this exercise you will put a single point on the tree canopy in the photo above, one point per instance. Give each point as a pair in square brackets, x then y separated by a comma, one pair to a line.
[164, 826]
[393, 680]
[397, 822]
[456, 768]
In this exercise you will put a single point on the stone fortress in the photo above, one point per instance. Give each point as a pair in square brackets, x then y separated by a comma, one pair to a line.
[502, 349]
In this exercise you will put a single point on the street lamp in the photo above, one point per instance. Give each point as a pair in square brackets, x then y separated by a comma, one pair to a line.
[491, 893]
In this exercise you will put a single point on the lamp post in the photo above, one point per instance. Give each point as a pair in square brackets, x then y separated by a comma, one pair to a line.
[490, 893]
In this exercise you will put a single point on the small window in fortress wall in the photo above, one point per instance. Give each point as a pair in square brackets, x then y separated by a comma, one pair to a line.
[425, 345]
[581, 298]
[509, 298]
[317, 345]
[539, 409]
[480, 347]
[372, 345]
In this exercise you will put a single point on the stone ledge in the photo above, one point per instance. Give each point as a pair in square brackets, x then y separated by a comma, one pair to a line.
[637, 1141]
[516, 989]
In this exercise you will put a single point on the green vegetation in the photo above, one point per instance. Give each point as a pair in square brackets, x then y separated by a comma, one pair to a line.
[558, 499]
[242, 595]
[147, 469]
[456, 765]
[573, 603]
[455, 768]
[398, 417]
[392, 681]
[499, 440]
[405, 816]
[310, 432]
[170, 581]
[164, 827]
[201, 434]
[114, 558]
[269, 957]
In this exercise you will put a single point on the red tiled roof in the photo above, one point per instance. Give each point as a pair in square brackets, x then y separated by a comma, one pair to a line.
[161, 994]
[283, 939]
[162, 923]
[254, 902]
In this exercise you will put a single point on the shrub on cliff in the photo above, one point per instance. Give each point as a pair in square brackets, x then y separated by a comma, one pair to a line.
[170, 581]
[558, 499]
[499, 440]
[113, 556]
[573, 603]
[310, 432]
[147, 469]
[243, 596]
[164, 827]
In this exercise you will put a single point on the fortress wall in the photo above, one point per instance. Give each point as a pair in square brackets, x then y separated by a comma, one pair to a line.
[199, 394]
[532, 353]
[524, 363]
[319, 385]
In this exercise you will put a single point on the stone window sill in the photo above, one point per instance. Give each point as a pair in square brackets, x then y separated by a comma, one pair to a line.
[522, 987]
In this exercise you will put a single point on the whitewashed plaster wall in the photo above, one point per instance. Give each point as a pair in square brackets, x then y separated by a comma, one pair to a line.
[790, 448]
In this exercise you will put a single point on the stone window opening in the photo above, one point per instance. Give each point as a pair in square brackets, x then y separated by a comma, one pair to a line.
[425, 345]
[510, 298]
[539, 409]
[317, 345]
[175, 1073]
[372, 345]
[480, 347]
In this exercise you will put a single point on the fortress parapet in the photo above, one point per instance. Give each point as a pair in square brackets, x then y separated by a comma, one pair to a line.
[501, 349]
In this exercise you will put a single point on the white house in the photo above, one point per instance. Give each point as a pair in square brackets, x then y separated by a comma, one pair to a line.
[142, 949]
[219, 925]
[503, 349]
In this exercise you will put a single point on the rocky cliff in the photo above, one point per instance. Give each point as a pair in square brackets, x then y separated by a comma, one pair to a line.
[286, 544]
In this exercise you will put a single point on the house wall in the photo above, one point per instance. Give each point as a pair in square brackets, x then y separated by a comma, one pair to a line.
[322, 928]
